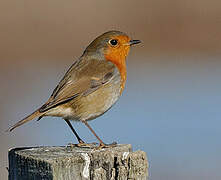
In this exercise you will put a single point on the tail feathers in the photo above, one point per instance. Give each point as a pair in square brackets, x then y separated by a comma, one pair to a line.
[28, 118]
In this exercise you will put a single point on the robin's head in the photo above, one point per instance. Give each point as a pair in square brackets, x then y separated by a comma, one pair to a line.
[112, 45]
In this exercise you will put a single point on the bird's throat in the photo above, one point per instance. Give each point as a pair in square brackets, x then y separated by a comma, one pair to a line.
[121, 65]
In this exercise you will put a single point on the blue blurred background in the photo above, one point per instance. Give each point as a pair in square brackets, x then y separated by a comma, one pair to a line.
[171, 105]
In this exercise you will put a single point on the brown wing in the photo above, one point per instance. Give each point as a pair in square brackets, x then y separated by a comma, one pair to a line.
[81, 79]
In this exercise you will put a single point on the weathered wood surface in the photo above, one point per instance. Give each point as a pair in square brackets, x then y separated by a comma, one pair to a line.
[66, 163]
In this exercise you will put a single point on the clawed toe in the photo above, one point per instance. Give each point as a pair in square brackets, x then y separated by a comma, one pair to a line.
[83, 145]
[103, 145]
[93, 145]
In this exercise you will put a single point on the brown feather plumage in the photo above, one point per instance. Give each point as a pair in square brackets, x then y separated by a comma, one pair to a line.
[91, 85]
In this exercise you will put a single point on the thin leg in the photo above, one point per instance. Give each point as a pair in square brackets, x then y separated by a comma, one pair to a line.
[75, 133]
[89, 127]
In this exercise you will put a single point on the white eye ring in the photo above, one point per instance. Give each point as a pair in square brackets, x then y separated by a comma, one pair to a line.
[113, 42]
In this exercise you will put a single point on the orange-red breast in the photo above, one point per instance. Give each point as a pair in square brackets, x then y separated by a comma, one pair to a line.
[91, 85]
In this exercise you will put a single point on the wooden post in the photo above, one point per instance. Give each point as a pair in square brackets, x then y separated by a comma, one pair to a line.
[67, 163]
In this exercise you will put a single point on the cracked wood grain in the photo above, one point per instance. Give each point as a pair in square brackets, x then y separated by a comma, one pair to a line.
[66, 163]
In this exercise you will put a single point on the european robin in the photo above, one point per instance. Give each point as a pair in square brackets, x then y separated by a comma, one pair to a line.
[92, 85]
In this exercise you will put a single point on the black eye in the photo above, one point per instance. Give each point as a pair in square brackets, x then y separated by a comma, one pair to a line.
[113, 42]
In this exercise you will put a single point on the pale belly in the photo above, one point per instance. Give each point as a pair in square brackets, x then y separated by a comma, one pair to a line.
[98, 102]
[91, 106]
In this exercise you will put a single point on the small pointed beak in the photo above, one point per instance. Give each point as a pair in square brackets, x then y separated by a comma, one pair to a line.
[132, 42]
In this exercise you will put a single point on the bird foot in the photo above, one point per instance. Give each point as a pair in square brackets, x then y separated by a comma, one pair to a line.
[83, 145]
[103, 145]
[93, 145]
